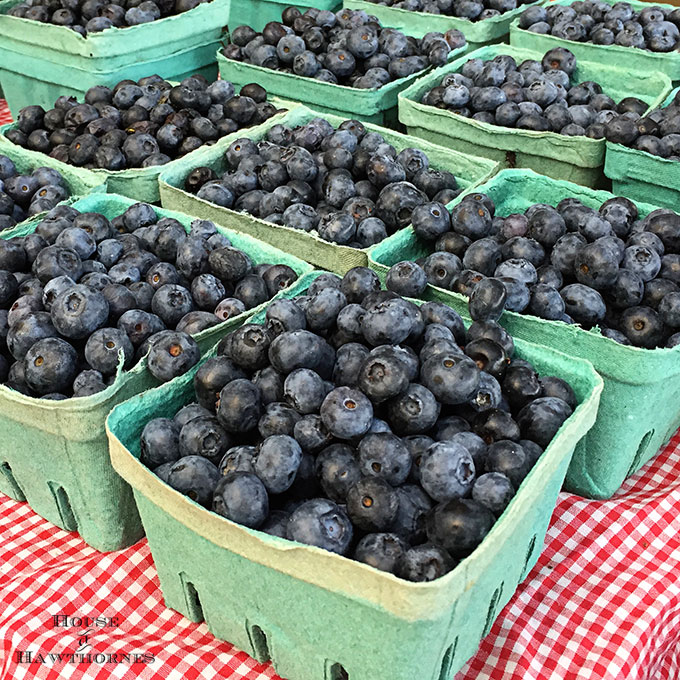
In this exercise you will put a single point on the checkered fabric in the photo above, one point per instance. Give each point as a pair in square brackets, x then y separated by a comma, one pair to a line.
[5, 115]
[602, 603]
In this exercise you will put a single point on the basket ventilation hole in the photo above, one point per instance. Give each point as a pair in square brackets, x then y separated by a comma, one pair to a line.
[337, 672]
[511, 159]
[192, 600]
[68, 520]
[258, 641]
[493, 605]
[6, 471]
[447, 661]
[530, 552]
[640, 453]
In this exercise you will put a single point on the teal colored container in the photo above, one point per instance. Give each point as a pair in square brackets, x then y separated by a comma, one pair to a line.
[577, 159]
[308, 246]
[641, 176]
[39, 62]
[317, 615]
[635, 62]
[258, 13]
[477, 33]
[55, 453]
[138, 183]
[640, 405]
[370, 106]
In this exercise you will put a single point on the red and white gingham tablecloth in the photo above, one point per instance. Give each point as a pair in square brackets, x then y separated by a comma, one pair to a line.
[602, 603]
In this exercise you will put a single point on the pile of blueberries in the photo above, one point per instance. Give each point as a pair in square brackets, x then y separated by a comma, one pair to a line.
[657, 133]
[348, 185]
[92, 16]
[142, 124]
[358, 422]
[22, 196]
[533, 95]
[346, 48]
[473, 10]
[653, 28]
[83, 297]
[606, 268]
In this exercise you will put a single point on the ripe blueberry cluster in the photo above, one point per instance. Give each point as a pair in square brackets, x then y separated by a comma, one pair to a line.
[358, 422]
[534, 95]
[349, 185]
[92, 16]
[474, 10]
[83, 297]
[571, 263]
[22, 196]
[657, 133]
[347, 48]
[140, 125]
[654, 28]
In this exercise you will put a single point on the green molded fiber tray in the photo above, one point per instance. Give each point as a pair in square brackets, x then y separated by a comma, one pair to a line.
[38, 62]
[632, 60]
[257, 13]
[577, 159]
[640, 405]
[308, 246]
[55, 453]
[641, 176]
[138, 183]
[477, 33]
[320, 616]
[369, 106]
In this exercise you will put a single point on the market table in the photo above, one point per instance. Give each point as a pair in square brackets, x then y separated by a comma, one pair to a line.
[602, 603]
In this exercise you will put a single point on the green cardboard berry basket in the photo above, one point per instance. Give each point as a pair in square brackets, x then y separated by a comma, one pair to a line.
[257, 13]
[370, 106]
[634, 61]
[317, 615]
[577, 159]
[640, 405]
[138, 183]
[308, 246]
[39, 62]
[55, 453]
[641, 176]
[477, 33]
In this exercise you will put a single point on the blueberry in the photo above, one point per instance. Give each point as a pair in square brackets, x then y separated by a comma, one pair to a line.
[278, 418]
[240, 406]
[453, 379]
[242, 498]
[321, 523]
[389, 322]
[78, 311]
[381, 551]
[159, 442]
[346, 413]
[26, 331]
[238, 459]
[585, 305]
[203, 436]
[104, 347]
[493, 490]
[276, 462]
[425, 562]
[385, 456]
[87, 383]
[372, 504]
[50, 366]
[188, 413]
[487, 300]
[172, 355]
[642, 326]
[414, 411]
[447, 471]
[195, 477]
[407, 279]
[540, 419]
